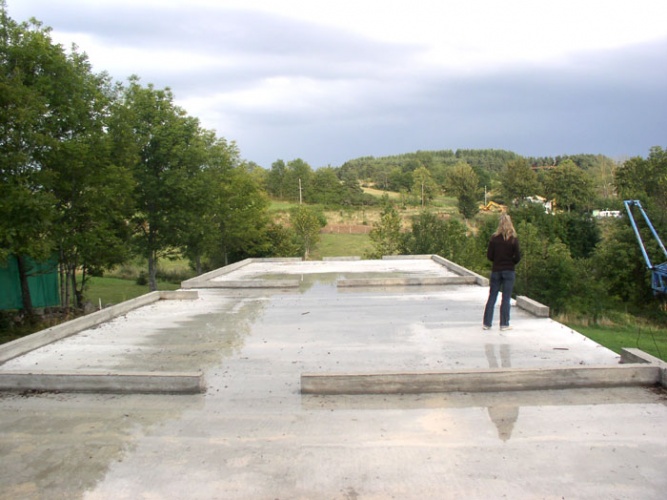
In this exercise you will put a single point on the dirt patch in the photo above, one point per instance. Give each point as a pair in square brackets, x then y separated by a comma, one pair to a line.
[346, 229]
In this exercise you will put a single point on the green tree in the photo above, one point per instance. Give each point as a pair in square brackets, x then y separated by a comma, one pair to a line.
[463, 183]
[546, 271]
[276, 181]
[28, 65]
[518, 181]
[298, 181]
[307, 222]
[241, 217]
[423, 185]
[433, 235]
[645, 179]
[570, 187]
[93, 194]
[168, 152]
[386, 233]
[326, 187]
[228, 216]
[620, 266]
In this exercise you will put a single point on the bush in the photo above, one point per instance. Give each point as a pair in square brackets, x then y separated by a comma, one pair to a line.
[142, 279]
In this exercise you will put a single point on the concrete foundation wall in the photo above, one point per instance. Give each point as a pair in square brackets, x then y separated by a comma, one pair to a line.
[514, 379]
[106, 382]
[450, 280]
[479, 279]
[532, 306]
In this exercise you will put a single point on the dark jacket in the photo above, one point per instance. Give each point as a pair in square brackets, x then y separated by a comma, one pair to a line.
[504, 254]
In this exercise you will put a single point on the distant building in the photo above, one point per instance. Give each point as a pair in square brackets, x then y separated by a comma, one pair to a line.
[606, 213]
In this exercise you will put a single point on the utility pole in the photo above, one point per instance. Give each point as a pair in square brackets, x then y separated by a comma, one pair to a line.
[300, 197]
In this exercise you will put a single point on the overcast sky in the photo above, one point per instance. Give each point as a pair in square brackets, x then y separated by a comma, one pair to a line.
[328, 81]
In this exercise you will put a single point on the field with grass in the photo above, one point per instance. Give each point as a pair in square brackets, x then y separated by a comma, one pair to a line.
[649, 339]
[342, 245]
[109, 290]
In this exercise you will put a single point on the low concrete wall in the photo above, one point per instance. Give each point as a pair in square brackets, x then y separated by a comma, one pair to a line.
[632, 355]
[344, 258]
[107, 382]
[511, 379]
[479, 279]
[17, 347]
[249, 284]
[447, 280]
[197, 281]
[204, 280]
[532, 306]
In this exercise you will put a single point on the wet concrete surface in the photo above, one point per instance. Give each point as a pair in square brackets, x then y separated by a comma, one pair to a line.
[253, 435]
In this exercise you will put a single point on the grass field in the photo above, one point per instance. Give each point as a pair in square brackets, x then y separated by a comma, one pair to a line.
[342, 245]
[649, 339]
[115, 290]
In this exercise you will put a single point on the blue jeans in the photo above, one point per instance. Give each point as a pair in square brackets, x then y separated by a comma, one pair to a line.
[500, 281]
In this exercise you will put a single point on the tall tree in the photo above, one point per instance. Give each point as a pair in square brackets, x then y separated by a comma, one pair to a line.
[298, 181]
[463, 183]
[30, 107]
[423, 185]
[570, 187]
[275, 182]
[307, 223]
[386, 233]
[646, 179]
[519, 181]
[169, 153]
[326, 187]
[93, 194]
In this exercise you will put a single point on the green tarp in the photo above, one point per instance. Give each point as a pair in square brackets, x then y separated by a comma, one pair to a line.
[42, 281]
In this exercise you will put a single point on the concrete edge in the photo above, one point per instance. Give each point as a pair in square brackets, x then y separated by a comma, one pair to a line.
[202, 278]
[494, 380]
[104, 383]
[532, 306]
[479, 279]
[21, 346]
[179, 295]
[633, 355]
[342, 258]
[250, 284]
[449, 280]
[406, 257]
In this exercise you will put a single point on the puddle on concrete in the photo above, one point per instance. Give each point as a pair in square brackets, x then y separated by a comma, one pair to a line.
[198, 342]
[74, 439]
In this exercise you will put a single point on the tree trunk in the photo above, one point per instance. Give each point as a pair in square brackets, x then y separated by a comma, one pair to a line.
[26, 299]
[152, 271]
[63, 280]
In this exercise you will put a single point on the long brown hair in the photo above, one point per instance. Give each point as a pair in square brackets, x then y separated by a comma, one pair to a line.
[505, 228]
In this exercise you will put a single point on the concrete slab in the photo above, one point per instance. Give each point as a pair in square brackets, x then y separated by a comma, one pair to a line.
[252, 434]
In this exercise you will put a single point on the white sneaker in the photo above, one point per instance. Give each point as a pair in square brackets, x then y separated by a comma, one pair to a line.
[505, 328]
[486, 327]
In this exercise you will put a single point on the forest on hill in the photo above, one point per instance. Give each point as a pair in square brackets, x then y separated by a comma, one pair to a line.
[95, 173]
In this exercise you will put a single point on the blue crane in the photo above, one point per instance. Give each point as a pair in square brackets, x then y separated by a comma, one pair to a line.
[659, 271]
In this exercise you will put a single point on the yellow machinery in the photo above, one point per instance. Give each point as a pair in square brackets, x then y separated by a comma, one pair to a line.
[492, 206]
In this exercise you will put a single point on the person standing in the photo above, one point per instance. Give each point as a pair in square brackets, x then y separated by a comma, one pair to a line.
[504, 252]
